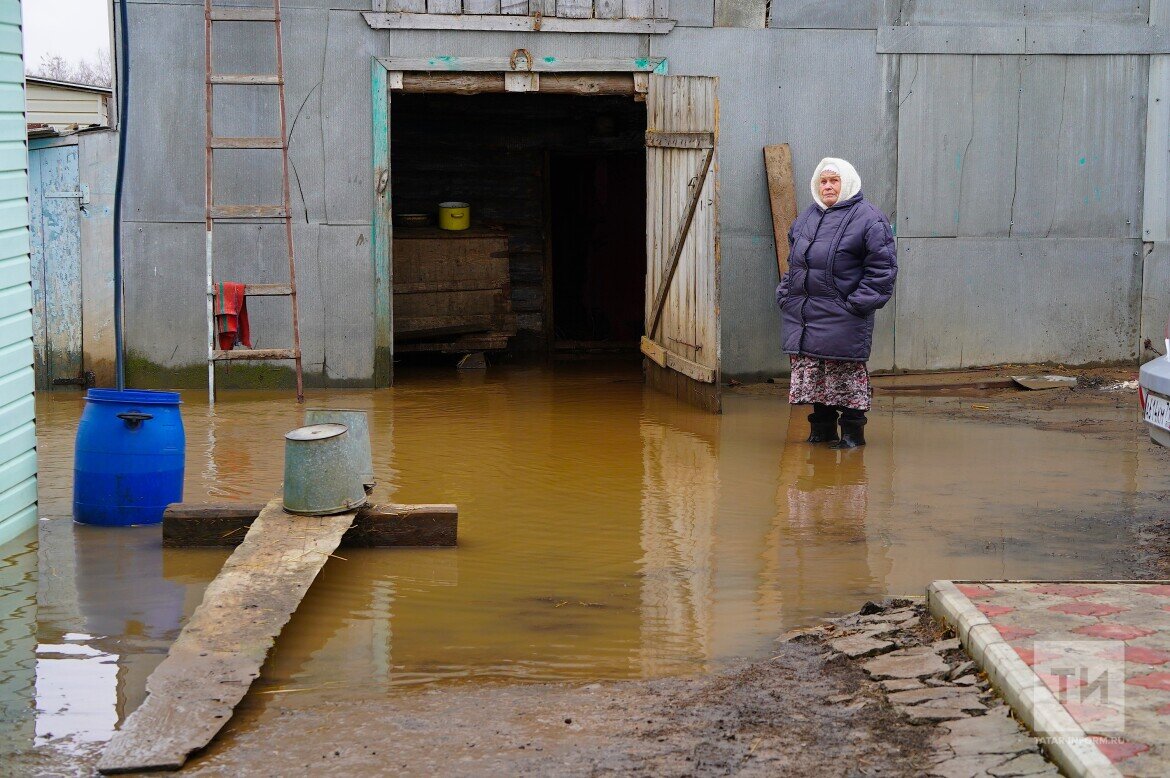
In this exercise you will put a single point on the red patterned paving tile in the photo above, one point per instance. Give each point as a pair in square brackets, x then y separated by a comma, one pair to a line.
[1060, 683]
[1085, 713]
[1066, 590]
[1113, 631]
[1086, 609]
[1014, 633]
[976, 591]
[1136, 654]
[993, 610]
[1146, 656]
[1159, 681]
[1159, 589]
[1031, 656]
[1118, 752]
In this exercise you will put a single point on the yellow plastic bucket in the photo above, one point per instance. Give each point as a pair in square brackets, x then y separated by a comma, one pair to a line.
[454, 216]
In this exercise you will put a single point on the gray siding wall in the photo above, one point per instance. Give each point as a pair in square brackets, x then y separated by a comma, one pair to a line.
[1032, 221]
[18, 458]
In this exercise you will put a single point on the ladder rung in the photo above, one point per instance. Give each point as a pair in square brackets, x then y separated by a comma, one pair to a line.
[243, 15]
[248, 212]
[262, 290]
[254, 353]
[246, 79]
[247, 143]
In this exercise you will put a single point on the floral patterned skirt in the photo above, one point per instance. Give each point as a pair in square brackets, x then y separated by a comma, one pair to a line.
[830, 382]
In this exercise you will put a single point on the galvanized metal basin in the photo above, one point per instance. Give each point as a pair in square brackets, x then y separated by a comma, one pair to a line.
[359, 436]
[321, 474]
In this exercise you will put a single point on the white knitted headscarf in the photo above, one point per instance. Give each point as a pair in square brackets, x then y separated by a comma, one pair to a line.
[850, 181]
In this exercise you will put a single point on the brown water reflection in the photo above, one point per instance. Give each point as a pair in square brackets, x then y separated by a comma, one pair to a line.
[605, 532]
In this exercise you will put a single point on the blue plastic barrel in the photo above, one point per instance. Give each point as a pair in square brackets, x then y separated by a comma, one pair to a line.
[128, 459]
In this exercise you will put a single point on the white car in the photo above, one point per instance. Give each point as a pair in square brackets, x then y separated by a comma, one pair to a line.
[1154, 393]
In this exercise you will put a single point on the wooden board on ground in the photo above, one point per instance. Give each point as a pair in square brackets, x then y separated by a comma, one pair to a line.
[209, 669]
[782, 196]
[187, 525]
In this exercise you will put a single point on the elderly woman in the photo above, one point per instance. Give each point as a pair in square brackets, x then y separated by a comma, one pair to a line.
[842, 265]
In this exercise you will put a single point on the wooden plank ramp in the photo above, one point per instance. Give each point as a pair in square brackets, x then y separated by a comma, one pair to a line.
[192, 694]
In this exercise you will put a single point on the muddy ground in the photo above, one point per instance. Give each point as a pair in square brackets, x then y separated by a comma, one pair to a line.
[807, 710]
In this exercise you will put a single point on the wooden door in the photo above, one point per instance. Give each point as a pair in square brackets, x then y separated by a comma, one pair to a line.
[55, 251]
[681, 343]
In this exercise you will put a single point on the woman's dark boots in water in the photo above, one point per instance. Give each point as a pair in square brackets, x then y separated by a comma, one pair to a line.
[852, 429]
[823, 424]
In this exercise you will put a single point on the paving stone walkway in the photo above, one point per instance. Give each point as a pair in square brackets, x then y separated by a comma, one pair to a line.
[1081, 639]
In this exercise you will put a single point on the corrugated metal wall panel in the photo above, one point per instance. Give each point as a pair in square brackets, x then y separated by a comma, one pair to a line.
[345, 95]
[1006, 145]
[693, 13]
[973, 301]
[164, 175]
[956, 144]
[347, 303]
[833, 14]
[942, 12]
[1156, 208]
[1081, 147]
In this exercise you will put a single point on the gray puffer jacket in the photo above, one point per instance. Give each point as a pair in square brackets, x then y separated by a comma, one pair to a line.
[842, 266]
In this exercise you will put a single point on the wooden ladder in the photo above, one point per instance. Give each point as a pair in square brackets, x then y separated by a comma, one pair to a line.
[237, 213]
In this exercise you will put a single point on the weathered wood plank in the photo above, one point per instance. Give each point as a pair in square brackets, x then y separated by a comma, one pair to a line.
[382, 229]
[481, 6]
[546, 64]
[655, 352]
[374, 526]
[679, 140]
[679, 240]
[254, 354]
[574, 9]
[609, 9]
[518, 23]
[782, 197]
[192, 694]
[514, 7]
[444, 6]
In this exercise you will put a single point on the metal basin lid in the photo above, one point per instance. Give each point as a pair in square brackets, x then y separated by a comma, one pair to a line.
[317, 432]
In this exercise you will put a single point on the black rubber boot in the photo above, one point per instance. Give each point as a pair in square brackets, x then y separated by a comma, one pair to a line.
[852, 429]
[823, 424]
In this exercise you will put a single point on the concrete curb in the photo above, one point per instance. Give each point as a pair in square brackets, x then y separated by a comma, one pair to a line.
[1034, 704]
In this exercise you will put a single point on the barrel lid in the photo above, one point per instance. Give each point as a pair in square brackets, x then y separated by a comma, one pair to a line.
[317, 432]
[133, 396]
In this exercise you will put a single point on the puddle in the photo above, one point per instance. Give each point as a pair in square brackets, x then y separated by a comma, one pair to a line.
[605, 533]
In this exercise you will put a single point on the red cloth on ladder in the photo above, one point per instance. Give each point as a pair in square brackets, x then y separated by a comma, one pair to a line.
[231, 315]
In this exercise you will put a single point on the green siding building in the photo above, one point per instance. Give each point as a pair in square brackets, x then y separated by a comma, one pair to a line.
[18, 456]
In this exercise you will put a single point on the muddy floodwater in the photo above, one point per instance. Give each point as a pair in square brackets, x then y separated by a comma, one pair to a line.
[605, 532]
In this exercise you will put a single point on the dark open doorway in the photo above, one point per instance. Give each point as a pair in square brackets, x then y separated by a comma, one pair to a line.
[556, 253]
[598, 249]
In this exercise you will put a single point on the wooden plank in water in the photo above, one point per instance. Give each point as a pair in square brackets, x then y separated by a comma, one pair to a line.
[192, 694]
[375, 526]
